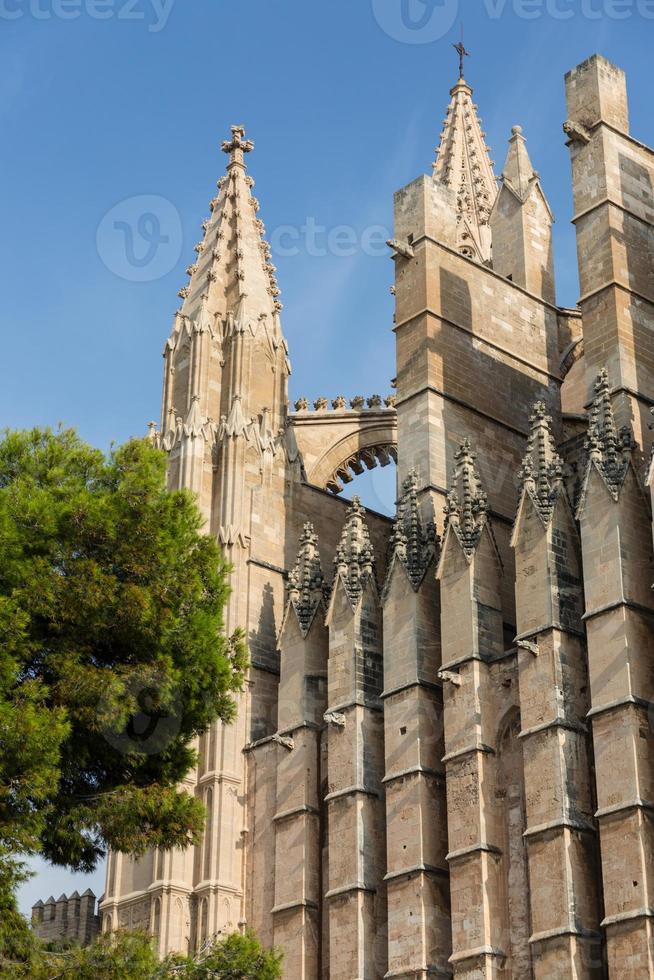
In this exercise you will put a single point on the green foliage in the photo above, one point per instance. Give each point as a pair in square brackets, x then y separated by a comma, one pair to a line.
[238, 957]
[131, 956]
[113, 655]
[123, 956]
[18, 944]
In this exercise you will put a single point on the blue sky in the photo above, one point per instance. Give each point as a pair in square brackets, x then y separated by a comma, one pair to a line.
[106, 102]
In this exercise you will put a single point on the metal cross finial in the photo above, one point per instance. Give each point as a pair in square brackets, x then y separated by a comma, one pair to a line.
[238, 145]
[460, 49]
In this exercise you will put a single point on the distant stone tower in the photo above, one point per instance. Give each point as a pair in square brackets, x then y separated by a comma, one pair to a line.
[71, 918]
[443, 764]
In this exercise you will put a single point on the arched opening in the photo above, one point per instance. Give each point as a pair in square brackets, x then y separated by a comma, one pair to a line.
[376, 488]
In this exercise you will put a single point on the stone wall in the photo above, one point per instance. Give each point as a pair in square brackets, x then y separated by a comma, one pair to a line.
[71, 918]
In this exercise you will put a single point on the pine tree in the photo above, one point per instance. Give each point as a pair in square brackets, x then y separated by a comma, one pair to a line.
[113, 655]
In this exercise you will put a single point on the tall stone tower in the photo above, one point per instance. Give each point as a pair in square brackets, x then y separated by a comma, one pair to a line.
[443, 764]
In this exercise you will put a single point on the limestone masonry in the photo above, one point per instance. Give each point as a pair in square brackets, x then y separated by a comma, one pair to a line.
[444, 761]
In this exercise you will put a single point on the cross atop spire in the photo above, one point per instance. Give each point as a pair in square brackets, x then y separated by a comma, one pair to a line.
[233, 272]
[237, 147]
[461, 51]
[464, 165]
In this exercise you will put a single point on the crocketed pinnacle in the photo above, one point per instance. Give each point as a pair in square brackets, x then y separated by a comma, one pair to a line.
[354, 561]
[233, 271]
[464, 165]
[306, 583]
[541, 473]
[607, 448]
[412, 543]
[467, 503]
[518, 173]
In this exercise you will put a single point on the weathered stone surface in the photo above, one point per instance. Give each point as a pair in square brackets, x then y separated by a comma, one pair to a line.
[453, 775]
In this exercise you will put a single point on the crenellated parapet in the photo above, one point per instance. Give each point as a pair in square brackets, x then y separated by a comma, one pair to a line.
[340, 404]
[338, 441]
[71, 918]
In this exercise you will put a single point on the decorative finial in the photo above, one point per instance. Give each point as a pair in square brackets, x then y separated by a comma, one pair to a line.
[306, 584]
[354, 559]
[411, 542]
[462, 53]
[237, 146]
[609, 449]
[541, 473]
[466, 511]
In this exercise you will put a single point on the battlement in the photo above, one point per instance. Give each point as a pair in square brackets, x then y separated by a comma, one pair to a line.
[72, 917]
[340, 404]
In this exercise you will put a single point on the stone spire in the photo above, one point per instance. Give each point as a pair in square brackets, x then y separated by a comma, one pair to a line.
[411, 543]
[463, 164]
[306, 583]
[518, 173]
[354, 561]
[233, 272]
[466, 511]
[521, 224]
[609, 450]
[541, 473]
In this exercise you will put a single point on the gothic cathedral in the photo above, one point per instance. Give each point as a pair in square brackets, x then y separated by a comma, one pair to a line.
[443, 764]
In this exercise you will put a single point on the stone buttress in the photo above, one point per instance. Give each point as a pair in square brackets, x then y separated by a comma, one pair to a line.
[617, 560]
[355, 747]
[300, 765]
[560, 832]
[485, 795]
[419, 935]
